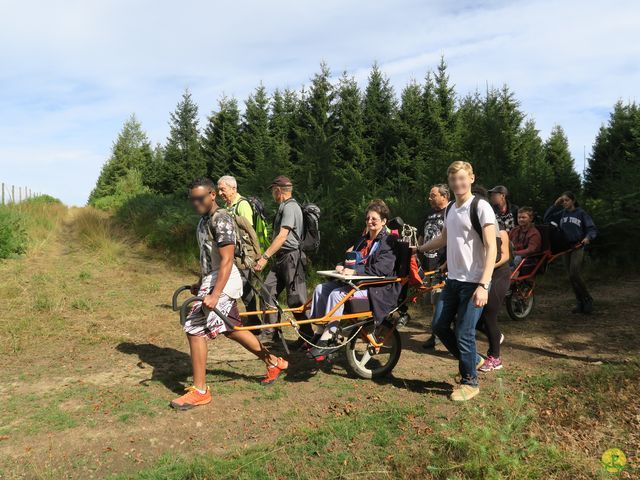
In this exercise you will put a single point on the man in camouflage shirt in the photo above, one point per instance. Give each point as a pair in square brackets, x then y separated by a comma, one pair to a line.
[220, 286]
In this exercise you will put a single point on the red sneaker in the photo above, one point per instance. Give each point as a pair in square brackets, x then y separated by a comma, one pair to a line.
[273, 371]
[193, 398]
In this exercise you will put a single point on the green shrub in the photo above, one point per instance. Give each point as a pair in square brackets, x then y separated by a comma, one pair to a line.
[13, 235]
[42, 199]
[126, 188]
[24, 224]
[164, 222]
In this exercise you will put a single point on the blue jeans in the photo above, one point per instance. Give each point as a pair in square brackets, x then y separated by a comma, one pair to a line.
[456, 304]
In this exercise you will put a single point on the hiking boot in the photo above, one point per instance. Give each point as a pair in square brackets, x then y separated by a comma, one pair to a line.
[587, 306]
[431, 343]
[579, 308]
[319, 352]
[491, 363]
[274, 371]
[193, 398]
[464, 392]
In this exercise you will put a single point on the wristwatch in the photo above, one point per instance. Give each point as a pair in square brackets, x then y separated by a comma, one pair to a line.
[265, 256]
[486, 286]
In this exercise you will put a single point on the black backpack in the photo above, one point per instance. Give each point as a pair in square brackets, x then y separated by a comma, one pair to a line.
[475, 223]
[310, 240]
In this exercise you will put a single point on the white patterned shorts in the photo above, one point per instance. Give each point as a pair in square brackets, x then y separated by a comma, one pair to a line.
[196, 324]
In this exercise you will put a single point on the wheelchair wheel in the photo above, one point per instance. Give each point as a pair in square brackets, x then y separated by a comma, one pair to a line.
[364, 362]
[520, 301]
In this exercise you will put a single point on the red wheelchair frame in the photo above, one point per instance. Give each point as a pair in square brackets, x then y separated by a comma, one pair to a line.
[520, 298]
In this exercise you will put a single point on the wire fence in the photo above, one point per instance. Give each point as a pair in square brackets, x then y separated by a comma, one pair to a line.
[12, 194]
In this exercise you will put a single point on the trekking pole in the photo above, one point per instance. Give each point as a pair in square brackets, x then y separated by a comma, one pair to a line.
[279, 309]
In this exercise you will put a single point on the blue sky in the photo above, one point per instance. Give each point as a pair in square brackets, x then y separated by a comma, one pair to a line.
[72, 71]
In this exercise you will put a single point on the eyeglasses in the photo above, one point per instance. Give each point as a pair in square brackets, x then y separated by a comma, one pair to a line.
[198, 198]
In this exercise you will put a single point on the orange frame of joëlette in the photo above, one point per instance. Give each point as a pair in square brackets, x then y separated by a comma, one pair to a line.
[546, 257]
[330, 317]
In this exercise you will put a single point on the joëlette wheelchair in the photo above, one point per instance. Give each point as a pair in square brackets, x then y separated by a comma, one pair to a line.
[520, 297]
[371, 350]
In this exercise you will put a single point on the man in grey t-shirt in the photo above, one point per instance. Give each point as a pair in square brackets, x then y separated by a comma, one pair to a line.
[289, 216]
[287, 271]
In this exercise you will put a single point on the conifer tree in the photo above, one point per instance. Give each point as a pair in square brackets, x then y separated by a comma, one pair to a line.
[284, 106]
[253, 165]
[379, 111]
[221, 137]
[314, 131]
[347, 178]
[131, 150]
[559, 159]
[409, 182]
[183, 159]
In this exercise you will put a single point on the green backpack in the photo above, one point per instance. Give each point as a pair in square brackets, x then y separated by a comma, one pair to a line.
[260, 226]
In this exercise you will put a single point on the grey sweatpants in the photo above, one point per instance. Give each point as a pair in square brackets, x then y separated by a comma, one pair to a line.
[573, 262]
[287, 273]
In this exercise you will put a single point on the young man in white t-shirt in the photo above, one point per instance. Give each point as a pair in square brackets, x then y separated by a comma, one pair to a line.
[470, 262]
[220, 286]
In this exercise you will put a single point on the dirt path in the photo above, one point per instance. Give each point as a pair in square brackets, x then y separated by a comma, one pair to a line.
[92, 354]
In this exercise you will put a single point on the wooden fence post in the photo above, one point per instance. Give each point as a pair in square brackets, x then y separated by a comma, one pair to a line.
[8, 195]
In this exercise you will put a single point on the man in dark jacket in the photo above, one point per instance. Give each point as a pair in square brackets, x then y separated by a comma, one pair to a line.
[506, 212]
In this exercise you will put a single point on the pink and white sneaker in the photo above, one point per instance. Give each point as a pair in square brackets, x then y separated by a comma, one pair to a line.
[490, 363]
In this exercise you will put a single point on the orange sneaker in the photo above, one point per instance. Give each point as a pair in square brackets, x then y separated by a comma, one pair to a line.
[193, 398]
[274, 371]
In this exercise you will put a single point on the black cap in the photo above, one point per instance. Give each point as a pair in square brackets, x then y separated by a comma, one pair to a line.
[499, 189]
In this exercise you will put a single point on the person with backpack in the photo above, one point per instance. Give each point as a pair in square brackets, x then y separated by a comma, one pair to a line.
[506, 212]
[288, 268]
[374, 253]
[578, 230]
[470, 235]
[239, 206]
[220, 285]
[500, 282]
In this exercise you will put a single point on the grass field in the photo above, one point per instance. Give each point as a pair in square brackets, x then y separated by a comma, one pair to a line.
[91, 355]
